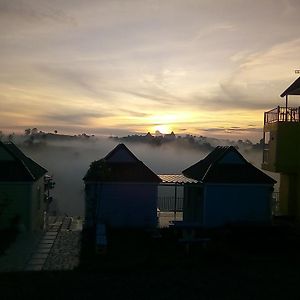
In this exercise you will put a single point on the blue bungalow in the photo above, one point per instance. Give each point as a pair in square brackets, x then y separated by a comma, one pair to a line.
[229, 190]
[120, 191]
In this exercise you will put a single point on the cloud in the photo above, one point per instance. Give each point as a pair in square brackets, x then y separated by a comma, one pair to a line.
[33, 11]
[77, 78]
[252, 133]
[134, 113]
[230, 97]
[161, 100]
[214, 62]
[257, 82]
[79, 118]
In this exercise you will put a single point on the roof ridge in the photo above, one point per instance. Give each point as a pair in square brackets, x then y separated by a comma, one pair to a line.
[291, 88]
[26, 167]
[120, 146]
[202, 169]
[18, 159]
[226, 150]
[30, 166]
[208, 169]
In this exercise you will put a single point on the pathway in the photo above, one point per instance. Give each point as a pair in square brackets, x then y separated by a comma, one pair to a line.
[59, 248]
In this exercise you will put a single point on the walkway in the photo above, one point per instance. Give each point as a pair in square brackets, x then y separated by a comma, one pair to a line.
[59, 248]
[56, 249]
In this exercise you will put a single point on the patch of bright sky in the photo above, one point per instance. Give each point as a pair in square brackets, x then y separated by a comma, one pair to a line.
[200, 67]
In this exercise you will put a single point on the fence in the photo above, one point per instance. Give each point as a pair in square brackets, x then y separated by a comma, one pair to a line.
[169, 203]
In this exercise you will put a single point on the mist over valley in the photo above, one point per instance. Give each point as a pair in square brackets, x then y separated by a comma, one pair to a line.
[68, 158]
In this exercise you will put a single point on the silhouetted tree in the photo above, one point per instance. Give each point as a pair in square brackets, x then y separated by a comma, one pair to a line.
[27, 131]
[11, 136]
[34, 131]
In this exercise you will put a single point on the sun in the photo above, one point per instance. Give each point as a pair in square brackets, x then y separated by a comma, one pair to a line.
[162, 123]
[162, 128]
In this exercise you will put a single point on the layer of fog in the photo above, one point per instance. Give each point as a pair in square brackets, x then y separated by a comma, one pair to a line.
[68, 162]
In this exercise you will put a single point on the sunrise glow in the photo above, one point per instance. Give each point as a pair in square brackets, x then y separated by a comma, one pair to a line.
[164, 129]
[195, 67]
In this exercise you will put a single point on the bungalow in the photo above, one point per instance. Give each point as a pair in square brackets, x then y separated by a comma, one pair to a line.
[228, 190]
[21, 190]
[120, 191]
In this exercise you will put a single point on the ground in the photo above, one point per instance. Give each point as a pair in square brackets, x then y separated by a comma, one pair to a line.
[238, 263]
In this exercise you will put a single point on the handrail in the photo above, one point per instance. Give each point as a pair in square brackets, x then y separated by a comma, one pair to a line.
[282, 114]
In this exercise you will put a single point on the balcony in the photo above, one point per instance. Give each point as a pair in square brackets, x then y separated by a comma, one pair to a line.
[282, 114]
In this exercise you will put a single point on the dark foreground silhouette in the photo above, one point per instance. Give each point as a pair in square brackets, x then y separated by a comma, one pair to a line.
[238, 263]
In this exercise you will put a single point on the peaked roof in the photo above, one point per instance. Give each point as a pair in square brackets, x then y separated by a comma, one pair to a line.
[215, 168]
[120, 165]
[293, 89]
[118, 149]
[19, 167]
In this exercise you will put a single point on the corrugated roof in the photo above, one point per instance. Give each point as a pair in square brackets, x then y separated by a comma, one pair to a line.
[120, 171]
[176, 179]
[293, 89]
[21, 168]
[211, 170]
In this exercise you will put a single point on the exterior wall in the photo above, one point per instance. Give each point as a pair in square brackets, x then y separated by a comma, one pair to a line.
[289, 200]
[38, 205]
[121, 204]
[283, 147]
[15, 203]
[23, 201]
[193, 204]
[91, 194]
[283, 156]
[225, 204]
[269, 162]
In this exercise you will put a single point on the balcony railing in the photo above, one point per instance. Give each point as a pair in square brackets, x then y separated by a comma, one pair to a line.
[282, 114]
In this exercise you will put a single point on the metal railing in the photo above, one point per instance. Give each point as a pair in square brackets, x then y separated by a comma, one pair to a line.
[282, 114]
[170, 203]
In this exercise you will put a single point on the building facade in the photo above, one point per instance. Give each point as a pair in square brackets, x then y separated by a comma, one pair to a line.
[228, 190]
[121, 191]
[281, 151]
[22, 190]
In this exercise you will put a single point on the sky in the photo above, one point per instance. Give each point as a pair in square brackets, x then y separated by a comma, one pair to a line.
[121, 67]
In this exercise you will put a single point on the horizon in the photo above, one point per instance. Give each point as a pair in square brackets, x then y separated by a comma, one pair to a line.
[22, 133]
[118, 68]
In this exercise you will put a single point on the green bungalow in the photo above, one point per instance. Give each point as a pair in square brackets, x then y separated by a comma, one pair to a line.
[22, 187]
